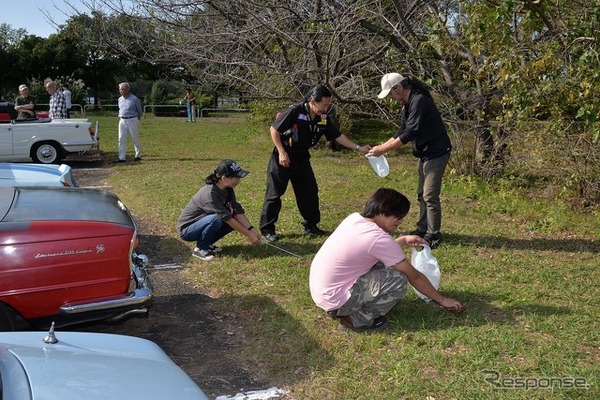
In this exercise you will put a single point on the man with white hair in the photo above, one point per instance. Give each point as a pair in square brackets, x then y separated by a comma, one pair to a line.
[58, 106]
[130, 113]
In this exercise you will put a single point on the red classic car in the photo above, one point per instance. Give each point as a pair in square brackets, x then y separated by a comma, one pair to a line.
[68, 255]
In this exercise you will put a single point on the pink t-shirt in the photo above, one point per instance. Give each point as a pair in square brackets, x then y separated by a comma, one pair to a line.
[350, 252]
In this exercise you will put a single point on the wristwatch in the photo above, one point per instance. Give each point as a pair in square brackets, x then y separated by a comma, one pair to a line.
[357, 147]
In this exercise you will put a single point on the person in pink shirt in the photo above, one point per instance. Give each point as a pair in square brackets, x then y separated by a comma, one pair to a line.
[360, 273]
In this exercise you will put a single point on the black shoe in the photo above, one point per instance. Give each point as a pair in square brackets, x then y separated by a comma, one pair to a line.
[215, 249]
[271, 237]
[417, 232]
[137, 159]
[378, 323]
[434, 239]
[120, 161]
[313, 229]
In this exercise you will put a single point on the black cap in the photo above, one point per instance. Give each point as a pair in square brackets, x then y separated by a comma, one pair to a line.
[230, 168]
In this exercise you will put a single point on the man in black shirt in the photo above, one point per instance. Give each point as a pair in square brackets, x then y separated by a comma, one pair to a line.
[421, 124]
[294, 131]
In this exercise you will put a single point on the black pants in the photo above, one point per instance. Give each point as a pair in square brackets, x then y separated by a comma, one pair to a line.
[301, 174]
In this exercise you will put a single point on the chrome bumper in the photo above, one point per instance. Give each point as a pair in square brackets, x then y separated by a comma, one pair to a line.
[139, 297]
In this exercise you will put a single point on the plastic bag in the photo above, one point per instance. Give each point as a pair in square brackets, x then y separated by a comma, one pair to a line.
[380, 165]
[427, 264]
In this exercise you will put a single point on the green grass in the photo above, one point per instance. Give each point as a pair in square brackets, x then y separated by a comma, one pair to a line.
[526, 267]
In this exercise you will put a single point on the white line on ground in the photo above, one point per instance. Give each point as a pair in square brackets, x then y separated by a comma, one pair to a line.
[267, 394]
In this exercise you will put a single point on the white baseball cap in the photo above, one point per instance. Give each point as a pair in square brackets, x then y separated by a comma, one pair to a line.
[388, 82]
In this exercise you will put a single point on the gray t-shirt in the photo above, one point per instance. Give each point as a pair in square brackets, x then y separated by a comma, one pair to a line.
[210, 199]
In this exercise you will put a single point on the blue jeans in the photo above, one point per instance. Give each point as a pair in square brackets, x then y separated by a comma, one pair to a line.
[190, 111]
[206, 231]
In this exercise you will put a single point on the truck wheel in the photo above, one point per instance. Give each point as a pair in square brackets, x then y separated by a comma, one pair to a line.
[47, 153]
[7, 320]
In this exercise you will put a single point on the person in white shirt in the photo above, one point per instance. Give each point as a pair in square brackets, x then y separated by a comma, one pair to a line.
[67, 94]
[130, 113]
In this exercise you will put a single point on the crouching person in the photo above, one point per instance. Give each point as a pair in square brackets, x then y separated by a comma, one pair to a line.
[213, 212]
[360, 273]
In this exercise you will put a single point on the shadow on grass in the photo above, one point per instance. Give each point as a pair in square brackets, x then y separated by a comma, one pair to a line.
[568, 245]
[278, 343]
[413, 314]
[229, 345]
[283, 249]
[165, 249]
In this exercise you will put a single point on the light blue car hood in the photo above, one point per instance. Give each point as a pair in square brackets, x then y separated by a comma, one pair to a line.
[19, 174]
[89, 366]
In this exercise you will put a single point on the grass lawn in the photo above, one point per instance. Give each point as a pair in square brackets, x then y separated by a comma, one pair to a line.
[527, 268]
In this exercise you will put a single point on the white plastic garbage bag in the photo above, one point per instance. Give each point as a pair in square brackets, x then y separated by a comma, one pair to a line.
[380, 165]
[427, 264]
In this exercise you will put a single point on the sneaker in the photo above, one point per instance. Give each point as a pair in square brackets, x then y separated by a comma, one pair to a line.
[205, 255]
[378, 323]
[215, 249]
[434, 239]
[313, 229]
[137, 159]
[271, 237]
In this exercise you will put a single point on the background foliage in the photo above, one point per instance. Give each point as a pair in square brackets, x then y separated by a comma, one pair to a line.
[505, 73]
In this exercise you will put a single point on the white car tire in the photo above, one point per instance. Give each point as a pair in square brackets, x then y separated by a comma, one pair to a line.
[47, 153]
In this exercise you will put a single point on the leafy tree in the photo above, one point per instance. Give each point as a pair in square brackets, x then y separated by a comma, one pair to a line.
[492, 64]
[99, 66]
[159, 93]
[9, 37]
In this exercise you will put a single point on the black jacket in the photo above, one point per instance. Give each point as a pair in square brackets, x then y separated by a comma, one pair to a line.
[423, 126]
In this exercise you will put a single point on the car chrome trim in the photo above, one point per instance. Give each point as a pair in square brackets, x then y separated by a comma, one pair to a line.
[50, 337]
[126, 314]
[140, 296]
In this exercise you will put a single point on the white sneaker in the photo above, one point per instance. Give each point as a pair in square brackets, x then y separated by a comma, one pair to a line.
[205, 255]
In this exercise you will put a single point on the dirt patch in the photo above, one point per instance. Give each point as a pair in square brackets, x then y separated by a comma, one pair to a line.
[183, 320]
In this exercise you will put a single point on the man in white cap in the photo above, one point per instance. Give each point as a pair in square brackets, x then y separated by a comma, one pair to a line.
[421, 124]
[24, 103]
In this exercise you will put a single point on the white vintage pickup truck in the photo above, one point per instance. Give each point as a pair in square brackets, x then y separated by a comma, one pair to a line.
[46, 141]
